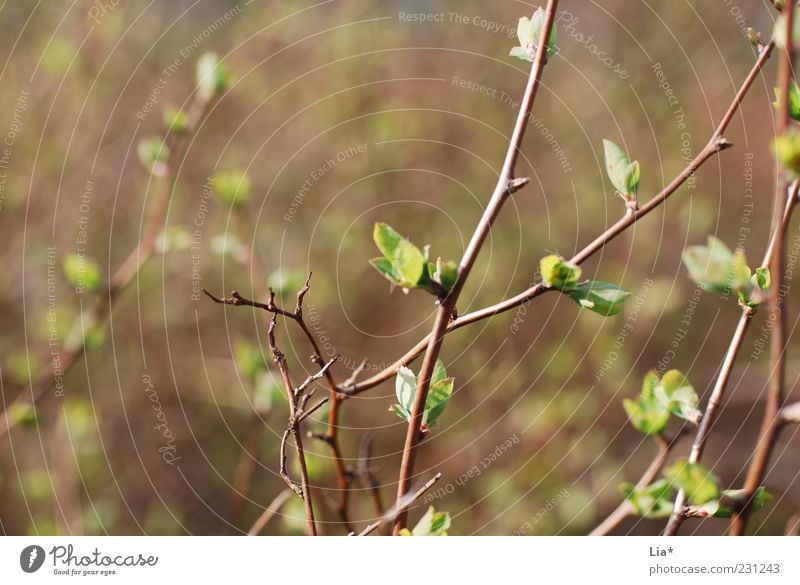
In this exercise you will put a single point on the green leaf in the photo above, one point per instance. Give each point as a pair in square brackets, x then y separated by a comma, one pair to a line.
[405, 388]
[731, 500]
[699, 484]
[529, 33]
[794, 100]
[787, 151]
[520, 53]
[439, 372]
[677, 395]
[153, 153]
[558, 273]
[407, 260]
[646, 415]
[445, 273]
[601, 297]
[233, 187]
[83, 273]
[23, 414]
[623, 173]
[386, 268]
[213, 76]
[438, 398]
[762, 279]
[433, 523]
[85, 332]
[653, 501]
[400, 411]
[176, 120]
[710, 266]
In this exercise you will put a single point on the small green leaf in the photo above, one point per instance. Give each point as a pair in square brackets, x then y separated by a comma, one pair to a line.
[83, 273]
[23, 414]
[677, 395]
[601, 297]
[433, 523]
[233, 187]
[445, 273]
[731, 500]
[153, 154]
[762, 279]
[559, 273]
[406, 259]
[438, 398]
[520, 53]
[699, 484]
[787, 151]
[439, 372]
[794, 100]
[623, 173]
[710, 266]
[386, 268]
[647, 416]
[176, 120]
[405, 388]
[653, 501]
[213, 76]
[400, 411]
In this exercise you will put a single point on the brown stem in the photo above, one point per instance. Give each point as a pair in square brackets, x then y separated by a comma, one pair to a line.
[504, 187]
[129, 269]
[771, 422]
[714, 146]
[625, 508]
[298, 399]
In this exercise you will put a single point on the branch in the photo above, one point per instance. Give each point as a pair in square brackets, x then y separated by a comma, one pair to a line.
[331, 436]
[771, 423]
[625, 508]
[505, 185]
[715, 145]
[297, 399]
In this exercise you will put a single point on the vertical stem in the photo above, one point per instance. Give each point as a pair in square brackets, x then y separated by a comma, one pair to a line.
[770, 425]
[447, 306]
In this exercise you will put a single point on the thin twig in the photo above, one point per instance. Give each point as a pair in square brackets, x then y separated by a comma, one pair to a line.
[715, 145]
[625, 508]
[367, 473]
[269, 512]
[331, 436]
[295, 414]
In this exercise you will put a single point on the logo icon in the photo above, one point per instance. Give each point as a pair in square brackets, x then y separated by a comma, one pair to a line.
[31, 558]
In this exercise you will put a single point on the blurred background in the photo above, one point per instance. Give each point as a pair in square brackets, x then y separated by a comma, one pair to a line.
[344, 113]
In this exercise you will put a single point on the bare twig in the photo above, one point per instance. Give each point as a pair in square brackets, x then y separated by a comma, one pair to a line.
[716, 144]
[297, 401]
[771, 422]
[331, 436]
[407, 500]
[367, 474]
[444, 314]
[625, 508]
[269, 512]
